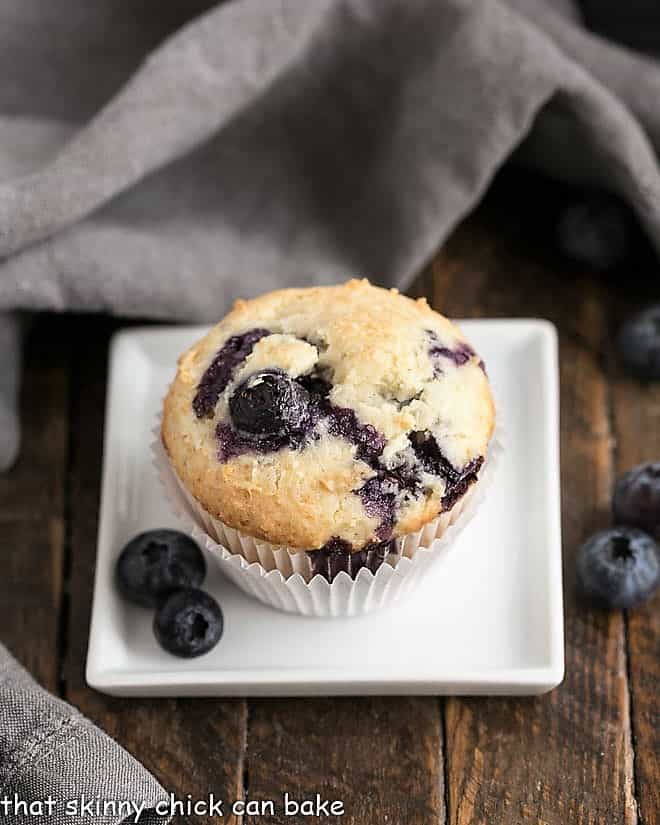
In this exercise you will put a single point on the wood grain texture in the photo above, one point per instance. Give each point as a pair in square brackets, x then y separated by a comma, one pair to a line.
[381, 756]
[32, 509]
[192, 746]
[565, 757]
[35, 487]
[637, 430]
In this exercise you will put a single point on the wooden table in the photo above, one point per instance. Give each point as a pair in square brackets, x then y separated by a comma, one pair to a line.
[585, 753]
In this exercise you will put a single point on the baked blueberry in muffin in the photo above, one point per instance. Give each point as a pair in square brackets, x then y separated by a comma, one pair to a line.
[333, 420]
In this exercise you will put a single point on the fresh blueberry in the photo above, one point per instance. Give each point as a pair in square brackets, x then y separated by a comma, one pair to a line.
[272, 404]
[637, 498]
[594, 231]
[155, 563]
[619, 567]
[639, 343]
[188, 623]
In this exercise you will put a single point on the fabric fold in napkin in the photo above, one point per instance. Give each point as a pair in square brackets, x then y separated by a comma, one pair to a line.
[49, 751]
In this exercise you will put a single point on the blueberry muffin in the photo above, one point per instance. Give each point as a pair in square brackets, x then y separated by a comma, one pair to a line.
[331, 420]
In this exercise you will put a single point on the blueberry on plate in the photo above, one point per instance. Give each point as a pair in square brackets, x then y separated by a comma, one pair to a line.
[619, 567]
[639, 344]
[270, 403]
[637, 498]
[188, 623]
[155, 563]
[594, 231]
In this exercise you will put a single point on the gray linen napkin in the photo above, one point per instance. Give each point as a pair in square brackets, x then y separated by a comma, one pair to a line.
[48, 751]
[283, 143]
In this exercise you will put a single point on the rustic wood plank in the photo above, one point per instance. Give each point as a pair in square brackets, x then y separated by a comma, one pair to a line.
[637, 430]
[381, 757]
[30, 594]
[567, 756]
[193, 746]
[32, 507]
[34, 487]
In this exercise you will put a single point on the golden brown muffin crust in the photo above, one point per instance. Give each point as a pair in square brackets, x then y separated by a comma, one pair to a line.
[401, 368]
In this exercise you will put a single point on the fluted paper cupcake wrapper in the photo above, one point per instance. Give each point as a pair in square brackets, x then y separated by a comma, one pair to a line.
[283, 578]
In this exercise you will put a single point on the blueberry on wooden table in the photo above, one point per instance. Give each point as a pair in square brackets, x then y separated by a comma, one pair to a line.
[157, 562]
[618, 568]
[594, 231]
[639, 344]
[637, 498]
[188, 623]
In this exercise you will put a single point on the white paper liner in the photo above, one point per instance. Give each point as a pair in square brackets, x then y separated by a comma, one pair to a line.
[282, 578]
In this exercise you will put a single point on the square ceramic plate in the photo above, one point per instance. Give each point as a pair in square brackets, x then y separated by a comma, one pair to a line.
[486, 621]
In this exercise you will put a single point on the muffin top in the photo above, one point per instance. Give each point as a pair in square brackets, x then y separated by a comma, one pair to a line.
[329, 417]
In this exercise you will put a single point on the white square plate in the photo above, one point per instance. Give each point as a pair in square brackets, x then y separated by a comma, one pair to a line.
[487, 621]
